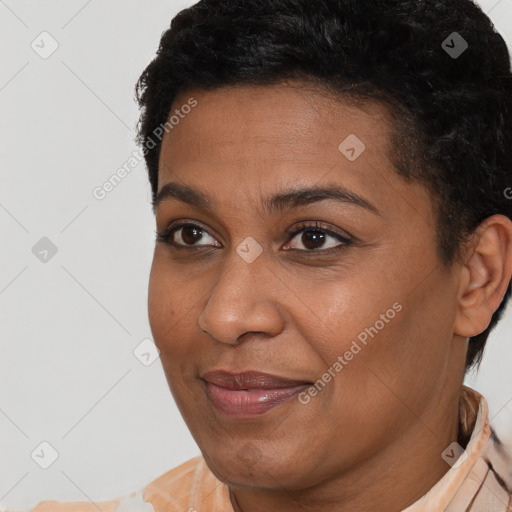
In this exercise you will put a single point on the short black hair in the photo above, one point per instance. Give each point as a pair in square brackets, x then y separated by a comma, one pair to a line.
[451, 104]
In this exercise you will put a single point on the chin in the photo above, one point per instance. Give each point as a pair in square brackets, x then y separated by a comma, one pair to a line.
[270, 470]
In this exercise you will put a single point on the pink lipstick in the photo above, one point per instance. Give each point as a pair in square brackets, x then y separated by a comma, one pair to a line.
[248, 394]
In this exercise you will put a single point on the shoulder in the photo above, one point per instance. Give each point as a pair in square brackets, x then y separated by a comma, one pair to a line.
[55, 506]
[174, 488]
[185, 487]
[178, 477]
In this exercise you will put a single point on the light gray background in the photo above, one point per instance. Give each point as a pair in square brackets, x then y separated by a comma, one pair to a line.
[70, 325]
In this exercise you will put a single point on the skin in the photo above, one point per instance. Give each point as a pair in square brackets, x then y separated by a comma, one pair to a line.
[372, 438]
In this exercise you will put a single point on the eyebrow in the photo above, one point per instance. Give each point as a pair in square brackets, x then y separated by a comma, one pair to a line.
[277, 203]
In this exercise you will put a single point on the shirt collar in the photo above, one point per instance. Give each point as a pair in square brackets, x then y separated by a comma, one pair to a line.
[473, 424]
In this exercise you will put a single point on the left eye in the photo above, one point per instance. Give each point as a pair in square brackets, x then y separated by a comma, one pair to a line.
[313, 238]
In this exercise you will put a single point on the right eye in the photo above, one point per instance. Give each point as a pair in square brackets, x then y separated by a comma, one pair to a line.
[188, 233]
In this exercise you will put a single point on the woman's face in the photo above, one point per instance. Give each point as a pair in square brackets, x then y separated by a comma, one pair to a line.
[269, 284]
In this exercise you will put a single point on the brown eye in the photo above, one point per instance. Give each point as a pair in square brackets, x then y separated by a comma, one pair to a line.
[187, 235]
[190, 234]
[314, 238]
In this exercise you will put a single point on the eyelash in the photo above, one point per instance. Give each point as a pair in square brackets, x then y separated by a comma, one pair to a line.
[165, 237]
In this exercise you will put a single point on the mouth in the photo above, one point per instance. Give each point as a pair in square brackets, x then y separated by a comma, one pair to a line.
[249, 394]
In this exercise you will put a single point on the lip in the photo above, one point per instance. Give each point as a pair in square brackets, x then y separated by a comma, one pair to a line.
[250, 393]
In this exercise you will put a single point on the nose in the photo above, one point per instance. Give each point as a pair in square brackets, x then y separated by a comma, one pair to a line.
[243, 300]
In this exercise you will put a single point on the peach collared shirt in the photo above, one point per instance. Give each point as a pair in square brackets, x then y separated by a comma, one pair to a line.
[479, 480]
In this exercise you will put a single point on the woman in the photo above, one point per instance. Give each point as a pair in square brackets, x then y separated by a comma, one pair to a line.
[331, 184]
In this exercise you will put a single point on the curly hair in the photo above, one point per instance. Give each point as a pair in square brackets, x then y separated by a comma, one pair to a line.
[452, 114]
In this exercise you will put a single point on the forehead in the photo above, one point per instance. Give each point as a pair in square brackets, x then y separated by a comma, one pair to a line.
[276, 122]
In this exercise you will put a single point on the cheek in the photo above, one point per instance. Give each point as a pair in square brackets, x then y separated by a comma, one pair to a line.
[166, 308]
[169, 297]
[403, 361]
[354, 312]
[391, 333]
[159, 302]
[173, 308]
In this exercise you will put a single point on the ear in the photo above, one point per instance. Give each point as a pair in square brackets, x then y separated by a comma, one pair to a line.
[485, 275]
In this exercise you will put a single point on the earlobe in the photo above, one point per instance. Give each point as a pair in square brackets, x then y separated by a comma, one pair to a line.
[485, 275]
